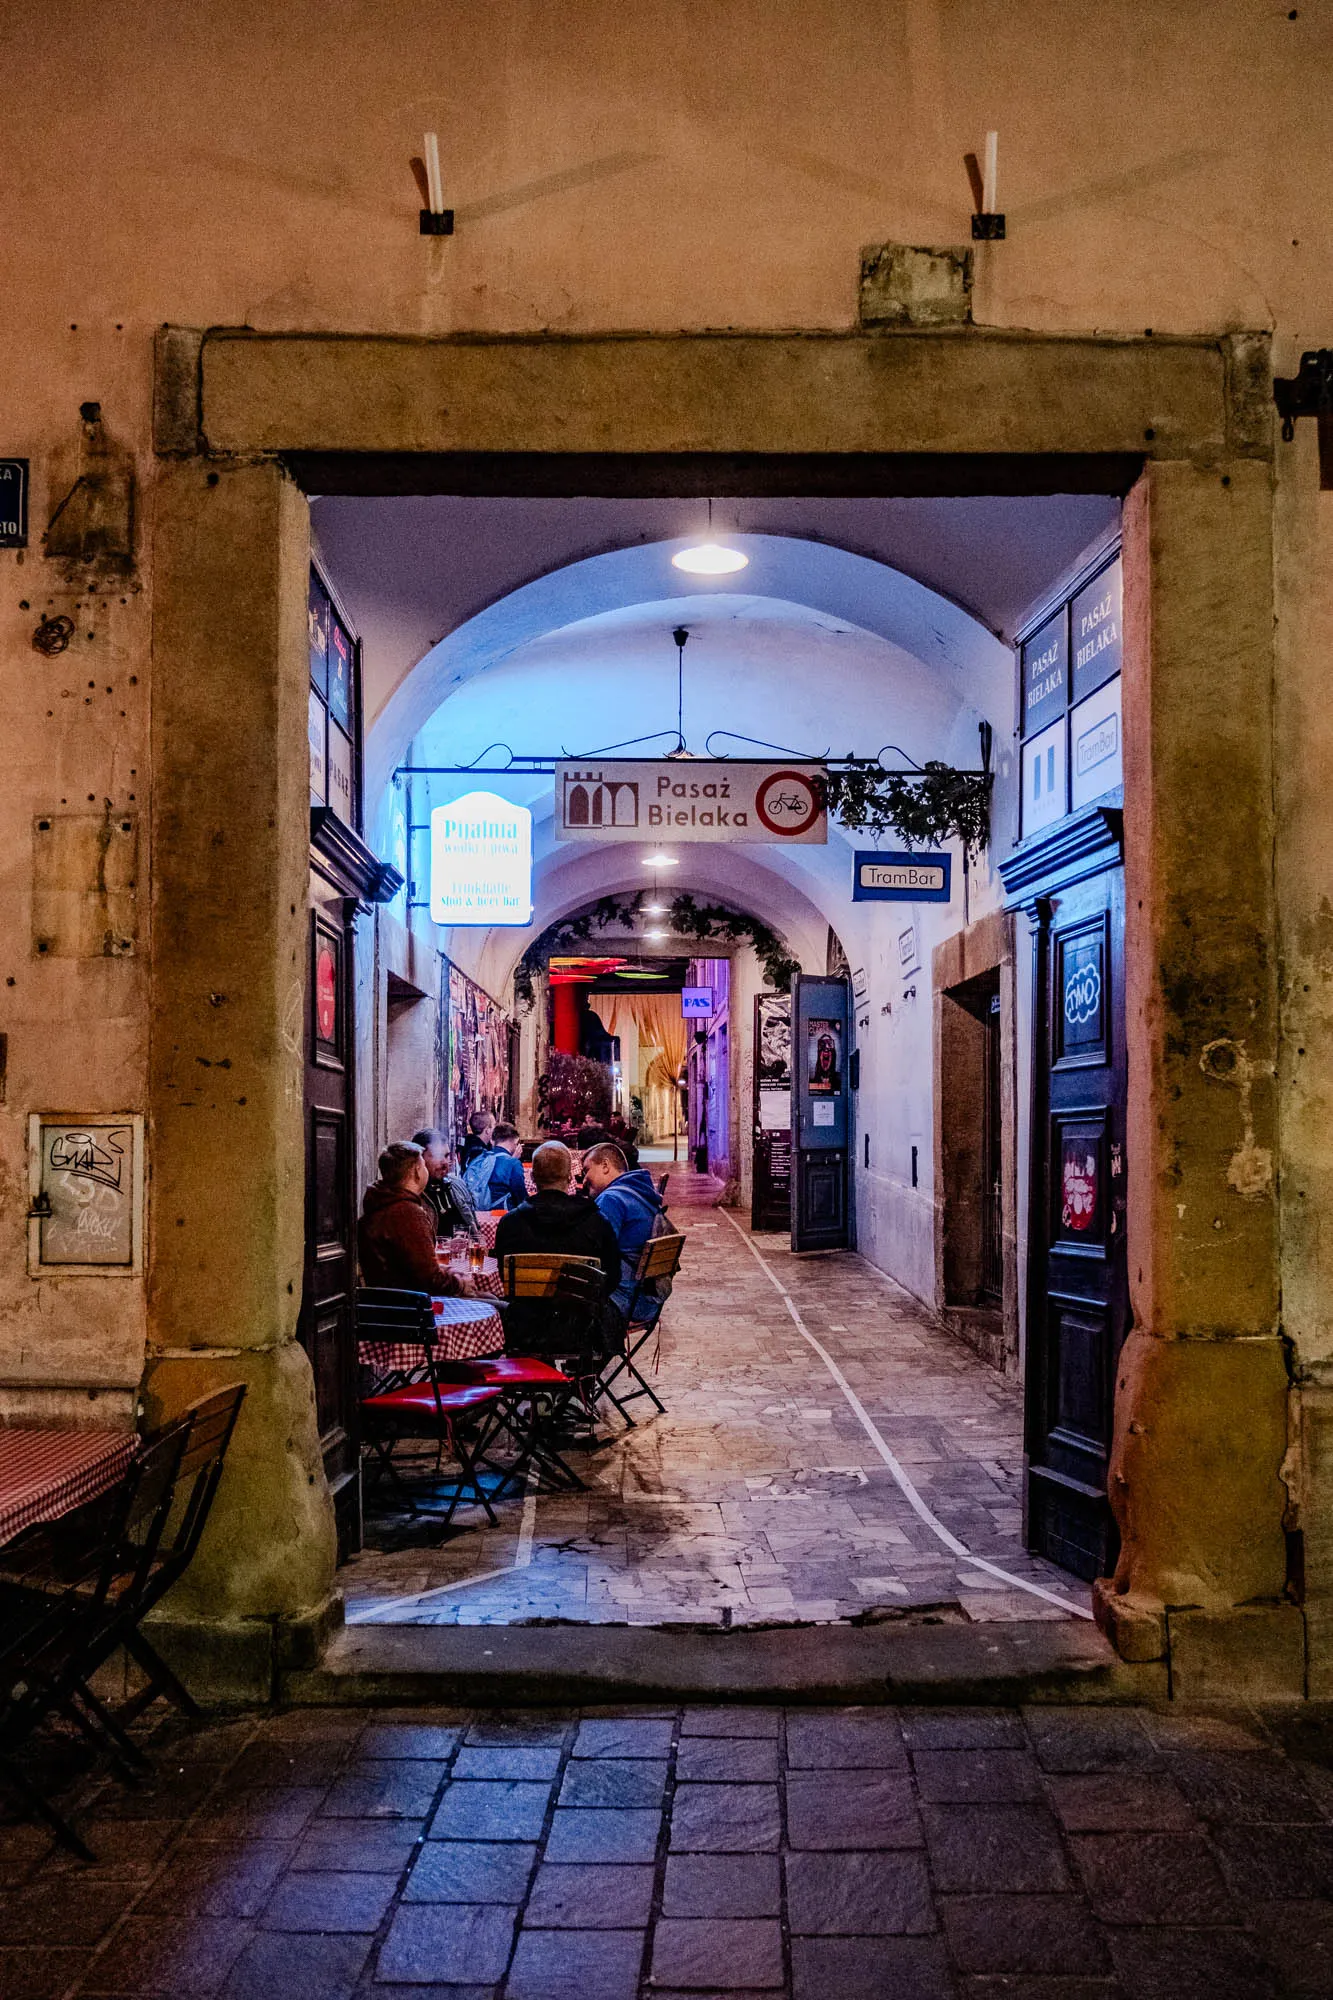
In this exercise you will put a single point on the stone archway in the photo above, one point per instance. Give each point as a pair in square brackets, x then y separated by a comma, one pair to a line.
[1202, 1420]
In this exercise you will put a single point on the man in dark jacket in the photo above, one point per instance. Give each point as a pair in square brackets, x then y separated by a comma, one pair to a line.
[395, 1237]
[446, 1192]
[630, 1204]
[480, 1126]
[556, 1222]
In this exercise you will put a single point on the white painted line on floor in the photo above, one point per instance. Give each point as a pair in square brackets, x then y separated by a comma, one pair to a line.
[867, 1422]
[399, 1610]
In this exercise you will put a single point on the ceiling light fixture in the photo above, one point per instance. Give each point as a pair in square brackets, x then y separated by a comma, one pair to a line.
[660, 861]
[709, 558]
[654, 937]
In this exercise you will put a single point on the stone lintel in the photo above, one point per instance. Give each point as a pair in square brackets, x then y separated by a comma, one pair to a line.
[965, 391]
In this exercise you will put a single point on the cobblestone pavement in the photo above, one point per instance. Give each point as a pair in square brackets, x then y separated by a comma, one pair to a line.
[759, 1497]
[826, 1854]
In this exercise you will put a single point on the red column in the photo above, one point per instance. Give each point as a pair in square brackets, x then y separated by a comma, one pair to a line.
[565, 1019]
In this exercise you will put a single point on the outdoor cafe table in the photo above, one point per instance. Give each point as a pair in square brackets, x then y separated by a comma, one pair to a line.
[48, 1470]
[465, 1329]
[487, 1280]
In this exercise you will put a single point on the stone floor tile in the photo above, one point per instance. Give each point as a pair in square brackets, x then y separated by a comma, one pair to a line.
[27, 1973]
[515, 1727]
[328, 1903]
[217, 1879]
[624, 1736]
[288, 1761]
[979, 1849]
[409, 1739]
[730, 1722]
[722, 1885]
[279, 1963]
[189, 1960]
[529, 1762]
[963, 1729]
[1193, 1729]
[1045, 1934]
[1152, 1878]
[736, 1760]
[622, 1834]
[1033, 1986]
[851, 1809]
[976, 1777]
[1235, 1785]
[1276, 1863]
[858, 1895]
[1091, 1739]
[1297, 1940]
[719, 1952]
[1121, 1801]
[576, 1965]
[463, 1871]
[725, 1819]
[869, 1969]
[508, 1810]
[589, 1897]
[126, 1850]
[1191, 1965]
[49, 1912]
[271, 1813]
[849, 1739]
[612, 1781]
[360, 1846]
[384, 1788]
[449, 1943]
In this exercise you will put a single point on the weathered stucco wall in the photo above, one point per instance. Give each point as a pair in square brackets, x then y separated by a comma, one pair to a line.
[246, 166]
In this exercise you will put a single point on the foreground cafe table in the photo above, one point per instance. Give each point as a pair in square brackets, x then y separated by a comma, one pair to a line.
[47, 1471]
[465, 1329]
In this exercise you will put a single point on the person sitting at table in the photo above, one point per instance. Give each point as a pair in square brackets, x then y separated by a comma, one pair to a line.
[558, 1223]
[495, 1177]
[629, 1201]
[395, 1238]
[445, 1191]
[480, 1129]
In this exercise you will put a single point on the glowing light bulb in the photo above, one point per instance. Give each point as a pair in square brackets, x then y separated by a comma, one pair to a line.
[660, 861]
[654, 936]
[710, 559]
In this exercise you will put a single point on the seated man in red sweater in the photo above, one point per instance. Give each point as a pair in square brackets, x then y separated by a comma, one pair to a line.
[395, 1237]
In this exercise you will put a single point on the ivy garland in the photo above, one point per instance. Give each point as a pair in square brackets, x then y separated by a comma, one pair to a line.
[706, 922]
[940, 804]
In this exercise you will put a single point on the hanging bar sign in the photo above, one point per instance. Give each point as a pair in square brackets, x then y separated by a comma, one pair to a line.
[902, 878]
[13, 503]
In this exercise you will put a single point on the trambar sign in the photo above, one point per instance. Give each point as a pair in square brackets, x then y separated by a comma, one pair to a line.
[687, 798]
[901, 878]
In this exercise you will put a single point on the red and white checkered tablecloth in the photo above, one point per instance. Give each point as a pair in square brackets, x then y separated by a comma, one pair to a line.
[487, 1280]
[465, 1330]
[47, 1471]
[488, 1222]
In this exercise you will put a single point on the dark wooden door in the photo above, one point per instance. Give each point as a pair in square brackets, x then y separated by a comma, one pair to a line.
[820, 1118]
[1078, 1308]
[327, 1329]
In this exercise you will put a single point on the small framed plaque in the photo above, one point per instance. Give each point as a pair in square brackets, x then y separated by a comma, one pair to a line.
[85, 1195]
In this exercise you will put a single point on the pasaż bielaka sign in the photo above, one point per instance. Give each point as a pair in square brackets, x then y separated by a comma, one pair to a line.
[690, 799]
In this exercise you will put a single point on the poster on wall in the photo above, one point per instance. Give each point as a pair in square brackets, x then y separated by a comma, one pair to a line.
[476, 1053]
[1095, 759]
[770, 1200]
[823, 1057]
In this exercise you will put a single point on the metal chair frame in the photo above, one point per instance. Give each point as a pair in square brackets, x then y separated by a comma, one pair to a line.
[659, 1258]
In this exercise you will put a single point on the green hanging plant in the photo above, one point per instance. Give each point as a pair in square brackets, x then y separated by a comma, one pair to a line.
[939, 804]
[707, 923]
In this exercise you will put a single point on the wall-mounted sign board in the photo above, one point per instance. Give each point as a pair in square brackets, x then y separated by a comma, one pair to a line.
[85, 1195]
[689, 799]
[696, 1003]
[901, 878]
[1046, 673]
[1096, 634]
[481, 861]
[13, 503]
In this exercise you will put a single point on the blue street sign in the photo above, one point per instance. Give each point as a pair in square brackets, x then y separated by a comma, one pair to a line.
[901, 878]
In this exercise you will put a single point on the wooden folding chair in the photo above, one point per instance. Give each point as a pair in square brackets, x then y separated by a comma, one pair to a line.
[658, 1260]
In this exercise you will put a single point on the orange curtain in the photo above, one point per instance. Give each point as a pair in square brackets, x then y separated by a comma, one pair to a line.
[660, 1023]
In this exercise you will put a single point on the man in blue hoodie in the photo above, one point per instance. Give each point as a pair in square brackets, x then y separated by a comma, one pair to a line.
[630, 1203]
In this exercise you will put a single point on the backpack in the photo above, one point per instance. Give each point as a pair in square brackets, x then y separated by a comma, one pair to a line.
[477, 1178]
